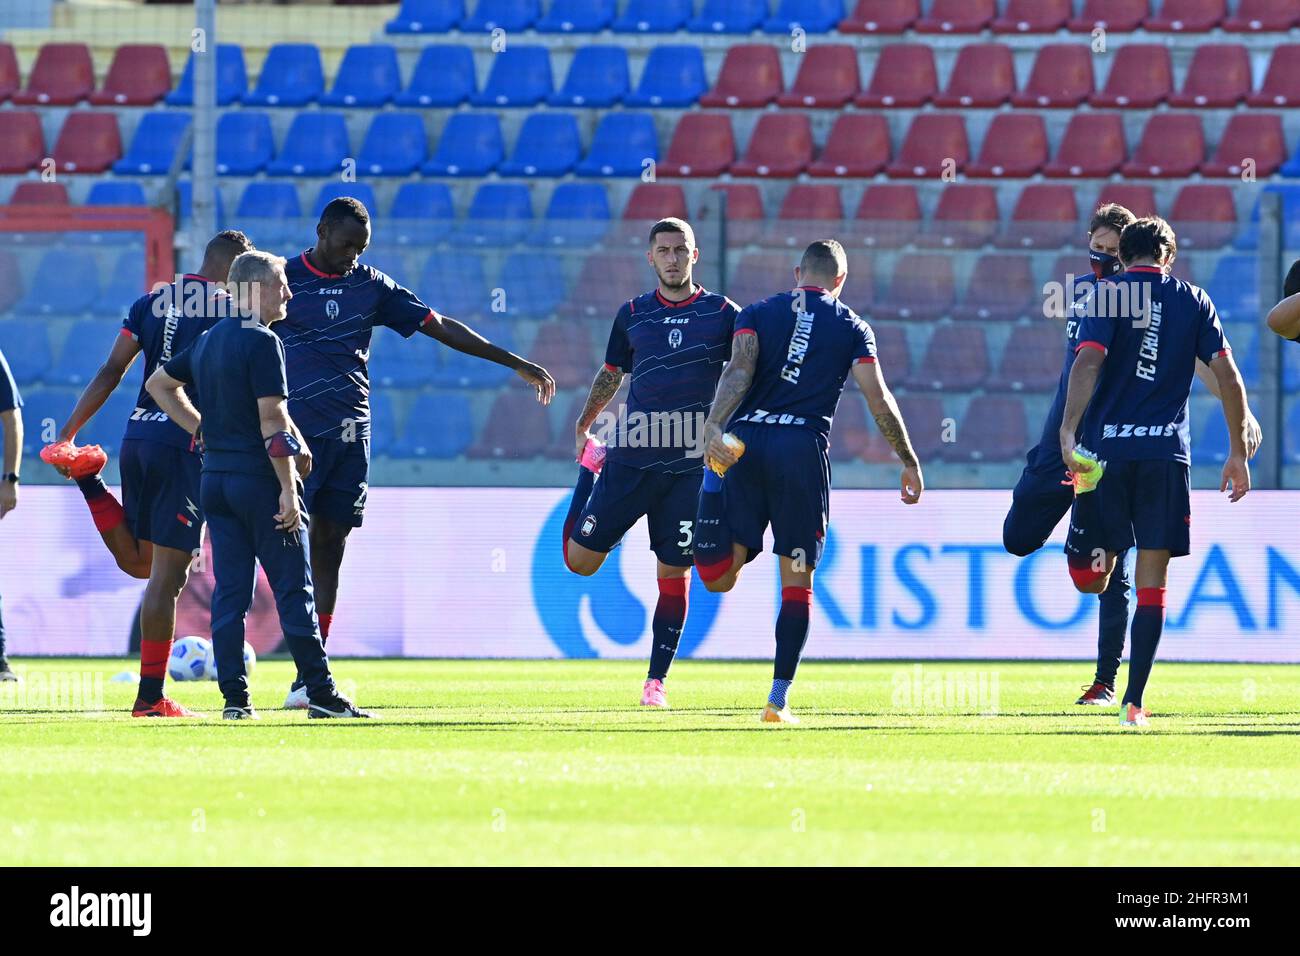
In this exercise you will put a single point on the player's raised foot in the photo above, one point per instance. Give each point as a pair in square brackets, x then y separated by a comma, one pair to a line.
[653, 695]
[6, 672]
[239, 712]
[771, 715]
[337, 707]
[162, 707]
[297, 698]
[1134, 716]
[593, 455]
[1098, 695]
[81, 462]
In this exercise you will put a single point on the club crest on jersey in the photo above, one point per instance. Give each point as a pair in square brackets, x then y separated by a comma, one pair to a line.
[332, 308]
[675, 338]
[588, 526]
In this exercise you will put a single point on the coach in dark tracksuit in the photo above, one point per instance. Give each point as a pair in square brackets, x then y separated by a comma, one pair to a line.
[250, 485]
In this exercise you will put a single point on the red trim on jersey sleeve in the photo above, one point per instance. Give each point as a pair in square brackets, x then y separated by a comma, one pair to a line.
[429, 318]
[612, 368]
[1222, 352]
[126, 331]
[315, 271]
[743, 332]
[1090, 345]
[871, 359]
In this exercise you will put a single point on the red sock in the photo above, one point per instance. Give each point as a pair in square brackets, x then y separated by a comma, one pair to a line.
[325, 621]
[106, 510]
[153, 668]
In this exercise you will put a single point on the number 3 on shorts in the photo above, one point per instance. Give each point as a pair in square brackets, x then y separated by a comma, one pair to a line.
[687, 534]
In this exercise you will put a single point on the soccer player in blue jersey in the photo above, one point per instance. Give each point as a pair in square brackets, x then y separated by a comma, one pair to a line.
[1127, 404]
[156, 531]
[337, 303]
[790, 358]
[11, 421]
[674, 342]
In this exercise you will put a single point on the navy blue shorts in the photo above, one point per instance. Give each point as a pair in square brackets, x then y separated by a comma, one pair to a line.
[1147, 503]
[782, 479]
[160, 494]
[622, 494]
[1038, 504]
[340, 477]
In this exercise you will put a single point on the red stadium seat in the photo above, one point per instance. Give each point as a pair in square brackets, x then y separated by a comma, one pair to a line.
[881, 16]
[1206, 216]
[957, 16]
[850, 437]
[806, 209]
[88, 143]
[966, 217]
[140, 75]
[1093, 146]
[561, 449]
[1281, 86]
[1263, 16]
[603, 283]
[651, 202]
[39, 194]
[1033, 16]
[745, 213]
[516, 428]
[62, 76]
[750, 77]
[762, 274]
[1031, 360]
[983, 76]
[893, 352]
[1015, 145]
[1001, 289]
[10, 78]
[702, 145]
[1172, 147]
[994, 429]
[935, 143]
[781, 146]
[858, 145]
[888, 216]
[924, 416]
[1046, 216]
[1074, 264]
[1218, 77]
[1114, 16]
[1140, 78]
[564, 348]
[1187, 16]
[904, 77]
[22, 144]
[921, 288]
[1139, 200]
[1249, 135]
[859, 290]
[827, 79]
[956, 359]
[1061, 78]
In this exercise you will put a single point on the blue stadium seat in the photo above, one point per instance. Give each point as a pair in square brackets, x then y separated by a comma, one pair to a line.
[395, 145]
[438, 426]
[548, 145]
[500, 214]
[317, 145]
[444, 76]
[1291, 439]
[1210, 444]
[577, 16]
[521, 76]
[232, 78]
[812, 16]
[598, 76]
[383, 424]
[291, 76]
[184, 197]
[388, 259]
[458, 370]
[534, 287]
[368, 76]
[125, 285]
[26, 346]
[673, 76]
[577, 215]
[1248, 239]
[426, 16]
[1244, 340]
[421, 213]
[109, 192]
[1234, 289]
[333, 190]
[621, 145]
[269, 211]
[1291, 367]
[470, 145]
[453, 284]
[42, 405]
[244, 143]
[653, 16]
[398, 364]
[84, 348]
[66, 283]
[108, 425]
[729, 16]
[512, 15]
[155, 143]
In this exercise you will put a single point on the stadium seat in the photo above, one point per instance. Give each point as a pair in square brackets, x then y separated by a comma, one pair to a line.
[1001, 288]
[316, 145]
[1206, 215]
[983, 76]
[291, 76]
[1245, 352]
[576, 215]
[922, 288]
[548, 145]
[811, 16]
[957, 16]
[597, 77]
[759, 275]
[850, 438]
[729, 16]
[513, 16]
[1033, 16]
[421, 213]
[185, 204]
[1262, 16]
[232, 78]
[333, 190]
[881, 16]
[426, 16]
[672, 76]
[63, 75]
[395, 145]
[994, 429]
[750, 78]
[1172, 147]
[500, 214]
[893, 351]
[10, 78]
[517, 428]
[956, 359]
[827, 78]
[40, 406]
[388, 259]
[84, 347]
[1219, 77]
[653, 16]
[604, 283]
[395, 364]
[935, 143]
[1093, 146]
[112, 192]
[565, 350]
[88, 143]
[888, 216]
[1014, 146]
[1281, 86]
[1114, 16]
[11, 280]
[22, 143]
[904, 77]
[1061, 78]
[443, 76]
[745, 212]
[859, 290]
[154, 146]
[66, 282]
[780, 146]
[807, 208]
[269, 212]
[1045, 216]
[244, 143]
[577, 16]
[1138, 199]
[533, 287]
[924, 415]
[1234, 288]
[470, 145]
[438, 426]
[1290, 192]
[651, 202]
[1187, 16]
[858, 145]
[368, 76]
[26, 346]
[702, 145]
[621, 146]
[1031, 360]
[140, 75]
[521, 76]
[1210, 446]
[1291, 440]
[453, 283]
[965, 218]
[39, 194]
[1255, 136]
[458, 370]
[1141, 77]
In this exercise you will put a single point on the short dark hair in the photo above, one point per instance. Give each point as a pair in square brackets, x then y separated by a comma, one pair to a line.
[824, 258]
[1149, 238]
[229, 241]
[1292, 284]
[344, 207]
[673, 224]
[1111, 216]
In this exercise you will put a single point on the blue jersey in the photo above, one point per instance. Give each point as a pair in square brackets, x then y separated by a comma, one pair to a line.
[676, 352]
[1139, 408]
[326, 335]
[9, 397]
[165, 322]
[804, 357]
[1046, 454]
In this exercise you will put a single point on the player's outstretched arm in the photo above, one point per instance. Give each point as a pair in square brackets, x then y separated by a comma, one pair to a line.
[1254, 434]
[462, 338]
[170, 395]
[1236, 470]
[603, 388]
[732, 386]
[1083, 379]
[1284, 318]
[880, 400]
[110, 375]
[11, 420]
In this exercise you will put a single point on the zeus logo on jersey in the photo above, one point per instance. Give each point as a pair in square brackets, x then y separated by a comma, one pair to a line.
[329, 291]
[760, 416]
[798, 348]
[140, 415]
[1138, 431]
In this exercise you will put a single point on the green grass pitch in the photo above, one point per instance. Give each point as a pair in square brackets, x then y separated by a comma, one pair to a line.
[552, 762]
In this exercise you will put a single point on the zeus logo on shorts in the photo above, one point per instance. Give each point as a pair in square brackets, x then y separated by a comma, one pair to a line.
[1138, 431]
[761, 416]
[588, 526]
